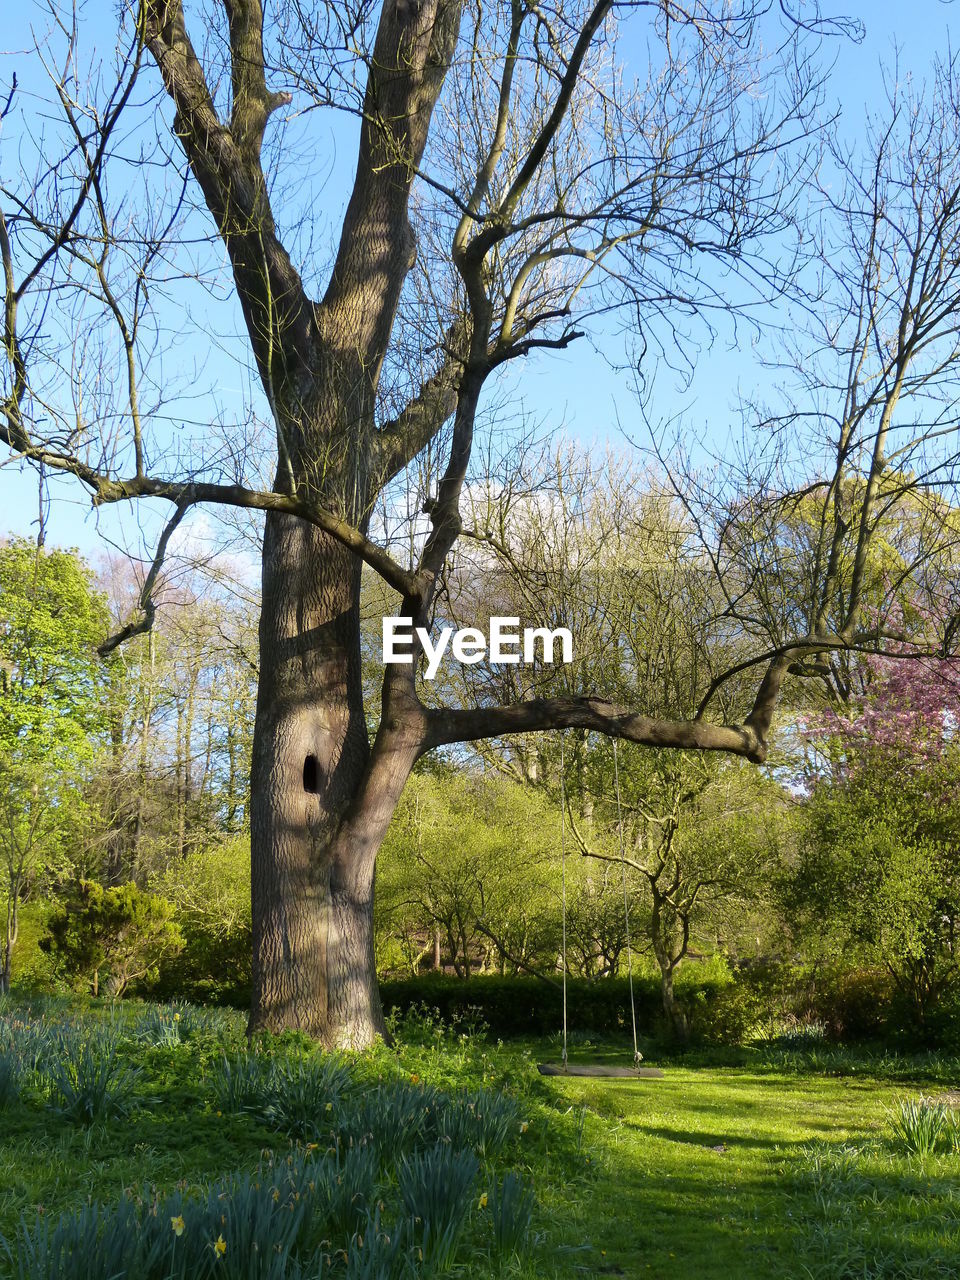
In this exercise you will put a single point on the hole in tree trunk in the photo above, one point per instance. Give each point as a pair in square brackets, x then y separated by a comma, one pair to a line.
[310, 775]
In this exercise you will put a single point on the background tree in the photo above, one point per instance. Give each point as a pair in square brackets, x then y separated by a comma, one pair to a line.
[176, 776]
[877, 877]
[694, 836]
[470, 875]
[41, 819]
[53, 721]
[607, 545]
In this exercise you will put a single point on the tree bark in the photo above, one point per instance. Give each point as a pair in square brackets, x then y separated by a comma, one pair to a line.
[676, 1020]
[10, 941]
[321, 799]
[309, 748]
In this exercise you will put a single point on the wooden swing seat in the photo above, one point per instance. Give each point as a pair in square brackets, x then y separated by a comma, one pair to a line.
[600, 1072]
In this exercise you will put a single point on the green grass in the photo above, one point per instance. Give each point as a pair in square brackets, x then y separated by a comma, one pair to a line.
[771, 1168]
[720, 1173]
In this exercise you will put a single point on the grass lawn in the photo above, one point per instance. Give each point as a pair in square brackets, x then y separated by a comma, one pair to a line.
[731, 1172]
[782, 1166]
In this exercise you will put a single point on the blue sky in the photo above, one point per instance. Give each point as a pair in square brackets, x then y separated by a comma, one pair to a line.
[579, 390]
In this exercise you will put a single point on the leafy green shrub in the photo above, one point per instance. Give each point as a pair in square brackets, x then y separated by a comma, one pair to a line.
[210, 888]
[121, 932]
[212, 967]
[721, 1013]
[33, 971]
[526, 1006]
[783, 990]
[854, 1004]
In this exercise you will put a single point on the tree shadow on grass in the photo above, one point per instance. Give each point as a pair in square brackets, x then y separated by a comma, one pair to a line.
[731, 1141]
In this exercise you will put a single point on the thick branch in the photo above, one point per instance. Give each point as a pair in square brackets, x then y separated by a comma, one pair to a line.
[226, 163]
[372, 553]
[412, 53]
[402, 439]
[185, 494]
[599, 716]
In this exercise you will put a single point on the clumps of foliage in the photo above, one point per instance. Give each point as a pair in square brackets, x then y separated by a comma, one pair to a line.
[120, 931]
[82, 1073]
[316, 1099]
[9, 1079]
[436, 1187]
[309, 1214]
[876, 877]
[242, 1083]
[511, 1204]
[922, 1127]
[526, 1005]
[377, 1174]
[849, 1193]
[263, 1225]
[161, 1027]
[87, 1078]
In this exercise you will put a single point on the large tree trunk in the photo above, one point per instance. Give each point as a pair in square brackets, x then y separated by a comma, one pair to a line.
[667, 961]
[321, 802]
[310, 751]
[319, 805]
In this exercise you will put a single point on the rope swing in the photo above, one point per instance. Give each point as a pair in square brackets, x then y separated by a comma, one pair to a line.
[637, 1055]
[565, 1068]
[563, 892]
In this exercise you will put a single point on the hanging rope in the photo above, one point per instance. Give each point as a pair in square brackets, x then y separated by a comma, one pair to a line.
[637, 1055]
[563, 892]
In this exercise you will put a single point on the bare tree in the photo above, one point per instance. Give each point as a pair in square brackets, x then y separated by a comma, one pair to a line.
[836, 534]
[603, 541]
[547, 189]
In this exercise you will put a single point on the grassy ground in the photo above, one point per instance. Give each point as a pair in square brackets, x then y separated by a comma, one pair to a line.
[726, 1172]
[782, 1166]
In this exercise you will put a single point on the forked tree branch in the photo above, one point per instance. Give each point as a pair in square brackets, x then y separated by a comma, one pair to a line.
[184, 494]
[146, 603]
